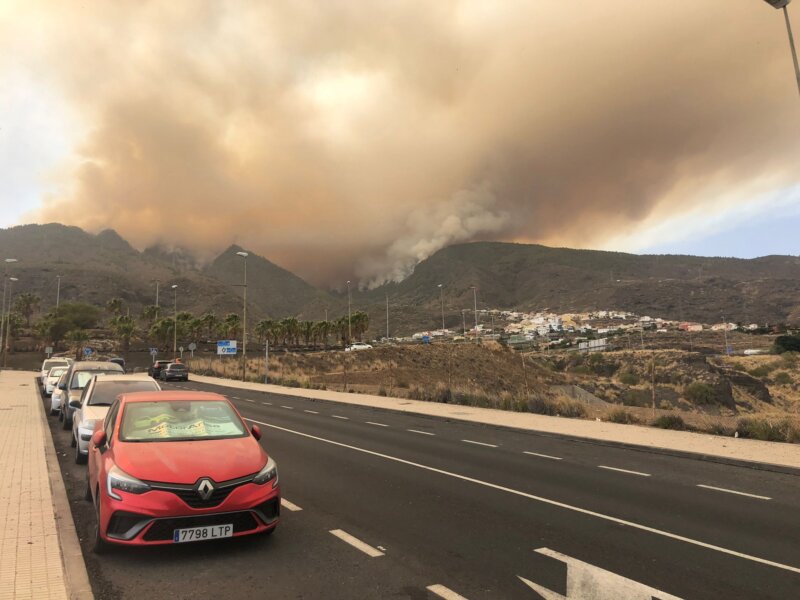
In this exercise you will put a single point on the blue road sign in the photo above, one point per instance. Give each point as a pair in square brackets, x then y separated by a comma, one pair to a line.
[226, 347]
[87, 351]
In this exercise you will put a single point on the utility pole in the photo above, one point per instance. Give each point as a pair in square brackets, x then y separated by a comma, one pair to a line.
[244, 255]
[464, 321]
[475, 308]
[349, 328]
[441, 299]
[387, 317]
[175, 322]
[11, 281]
[58, 292]
[157, 282]
[7, 261]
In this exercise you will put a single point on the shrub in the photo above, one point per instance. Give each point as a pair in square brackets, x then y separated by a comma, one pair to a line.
[402, 384]
[763, 429]
[762, 370]
[670, 422]
[382, 391]
[782, 378]
[629, 378]
[570, 408]
[787, 343]
[700, 393]
[621, 415]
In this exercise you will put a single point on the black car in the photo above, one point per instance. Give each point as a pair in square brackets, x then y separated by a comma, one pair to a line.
[174, 372]
[155, 369]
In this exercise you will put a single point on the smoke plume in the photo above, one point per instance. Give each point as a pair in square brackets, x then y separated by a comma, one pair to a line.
[345, 139]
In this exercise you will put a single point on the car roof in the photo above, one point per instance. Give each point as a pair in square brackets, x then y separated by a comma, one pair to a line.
[124, 377]
[96, 365]
[170, 396]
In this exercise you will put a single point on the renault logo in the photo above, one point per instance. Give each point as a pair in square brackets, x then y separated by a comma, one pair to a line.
[204, 489]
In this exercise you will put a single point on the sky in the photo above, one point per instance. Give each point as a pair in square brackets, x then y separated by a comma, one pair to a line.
[350, 140]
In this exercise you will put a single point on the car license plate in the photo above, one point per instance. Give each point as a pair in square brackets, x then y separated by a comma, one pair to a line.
[197, 534]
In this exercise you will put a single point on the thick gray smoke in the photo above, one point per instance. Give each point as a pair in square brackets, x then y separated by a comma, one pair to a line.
[348, 139]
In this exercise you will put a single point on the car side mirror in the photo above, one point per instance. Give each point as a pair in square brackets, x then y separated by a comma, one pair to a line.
[99, 438]
[62, 386]
[75, 404]
[256, 430]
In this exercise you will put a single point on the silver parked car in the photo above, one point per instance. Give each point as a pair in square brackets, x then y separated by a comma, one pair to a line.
[52, 378]
[97, 397]
[49, 363]
[59, 392]
[79, 374]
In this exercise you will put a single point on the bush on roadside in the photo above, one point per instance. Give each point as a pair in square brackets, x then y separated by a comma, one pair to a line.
[782, 378]
[629, 378]
[783, 430]
[669, 422]
[698, 392]
[719, 429]
[621, 415]
[762, 370]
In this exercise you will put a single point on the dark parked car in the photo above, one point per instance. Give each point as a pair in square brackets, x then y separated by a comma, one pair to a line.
[174, 372]
[155, 369]
[79, 374]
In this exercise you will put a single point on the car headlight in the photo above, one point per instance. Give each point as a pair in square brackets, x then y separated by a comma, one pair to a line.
[118, 479]
[268, 473]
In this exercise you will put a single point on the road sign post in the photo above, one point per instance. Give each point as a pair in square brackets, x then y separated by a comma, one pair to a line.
[226, 348]
[192, 348]
[48, 351]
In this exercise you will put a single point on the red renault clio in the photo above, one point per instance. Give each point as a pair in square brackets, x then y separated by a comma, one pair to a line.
[174, 467]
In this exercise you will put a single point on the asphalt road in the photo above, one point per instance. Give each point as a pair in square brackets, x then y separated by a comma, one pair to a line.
[474, 509]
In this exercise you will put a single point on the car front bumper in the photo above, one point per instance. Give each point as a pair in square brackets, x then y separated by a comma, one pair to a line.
[55, 403]
[151, 518]
[83, 437]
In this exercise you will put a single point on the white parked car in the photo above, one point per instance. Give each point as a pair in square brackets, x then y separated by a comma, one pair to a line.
[98, 395]
[49, 363]
[52, 378]
[358, 346]
[59, 392]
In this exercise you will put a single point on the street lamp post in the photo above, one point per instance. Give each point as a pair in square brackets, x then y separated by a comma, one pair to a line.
[244, 255]
[441, 300]
[58, 292]
[387, 317]
[475, 308]
[157, 283]
[7, 261]
[783, 4]
[175, 322]
[349, 329]
[464, 321]
[11, 281]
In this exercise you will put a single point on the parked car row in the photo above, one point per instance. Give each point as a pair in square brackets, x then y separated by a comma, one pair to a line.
[164, 467]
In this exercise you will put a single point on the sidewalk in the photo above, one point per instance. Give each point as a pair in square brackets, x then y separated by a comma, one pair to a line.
[709, 446]
[35, 520]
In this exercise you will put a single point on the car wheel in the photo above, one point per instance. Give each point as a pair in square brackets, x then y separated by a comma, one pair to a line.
[87, 493]
[73, 443]
[67, 424]
[60, 415]
[80, 457]
[99, 545]
[53, 412]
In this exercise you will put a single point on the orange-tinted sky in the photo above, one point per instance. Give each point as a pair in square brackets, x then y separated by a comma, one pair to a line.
[351, 139]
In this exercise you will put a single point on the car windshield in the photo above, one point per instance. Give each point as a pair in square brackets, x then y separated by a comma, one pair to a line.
[49, 364]
[105, 392]
[81, 378]
[57, 371]
[171, 421]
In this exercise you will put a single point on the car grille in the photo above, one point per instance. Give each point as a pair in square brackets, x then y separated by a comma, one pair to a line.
[189, 495]
[269, 510]
[163, 529]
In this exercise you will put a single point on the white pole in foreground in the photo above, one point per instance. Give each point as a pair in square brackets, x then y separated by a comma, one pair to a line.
[783, 4]
[266, 363]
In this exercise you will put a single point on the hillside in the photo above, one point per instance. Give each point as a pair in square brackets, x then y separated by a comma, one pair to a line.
[95, 268]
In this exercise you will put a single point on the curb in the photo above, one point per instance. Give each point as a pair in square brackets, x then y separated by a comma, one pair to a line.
[733, 462]
[76, 578]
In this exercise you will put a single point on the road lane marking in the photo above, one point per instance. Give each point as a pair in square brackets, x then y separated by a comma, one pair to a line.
[378, 424]
[311, 412]
[287, 407]
[340, 417]
[236, 397]
[248, 400]
[289, 505]
[542, 455]
[420, 432]
[356, 543]
[624, 471]
[719, 489]
[267, 403]
[480, 443]
[444, 592]
[543, 500]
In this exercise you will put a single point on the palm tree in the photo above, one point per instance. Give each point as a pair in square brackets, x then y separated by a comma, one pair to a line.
[124, 327]
[341, 326]
[291, 330]
[161, 330]
[307, 329]
[114, 306]
[194, 327]
[78, 337]
[232, 324]
[150, 314]
[26, 304]
[359, 323]
[264, 329]
[211, 323]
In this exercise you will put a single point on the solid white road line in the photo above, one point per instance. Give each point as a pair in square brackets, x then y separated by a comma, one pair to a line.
[339, 417]
[624, 471]
[311, 412]
[556, 503]
[444, 592]
[378, 424]
[479, 443]
[289, 505]
[420, 432]
[287, 407]
[719, 489]
[357, 543]
[542, 455]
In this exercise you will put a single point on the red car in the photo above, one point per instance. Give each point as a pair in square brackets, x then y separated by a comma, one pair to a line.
[173, 467]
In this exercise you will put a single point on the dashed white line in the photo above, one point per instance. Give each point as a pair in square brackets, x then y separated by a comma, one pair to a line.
[267, 403]
[542, 499]
[236, 397]
[341, 417]
[248, 400]
[719, 489]
[311, 412]
[624, 471]
[287, 407]
[420, 432]
[289, 505]
[480, 443]
[374, 423]
[542, 455]
[444, 592]
[357, 543]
